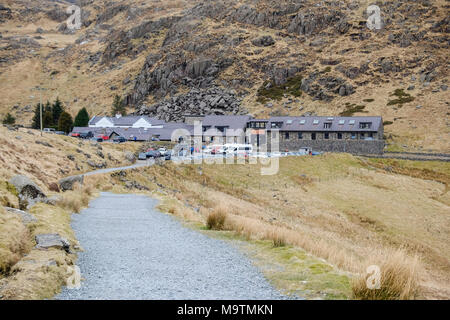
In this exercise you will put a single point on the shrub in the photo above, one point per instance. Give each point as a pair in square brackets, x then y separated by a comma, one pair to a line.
[398, 281]
[216, 219]
[9, 119]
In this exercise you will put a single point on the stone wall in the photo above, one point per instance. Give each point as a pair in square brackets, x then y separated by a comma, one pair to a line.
[355, 146]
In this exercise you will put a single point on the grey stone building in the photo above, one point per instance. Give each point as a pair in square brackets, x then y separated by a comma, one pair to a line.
[331, 134]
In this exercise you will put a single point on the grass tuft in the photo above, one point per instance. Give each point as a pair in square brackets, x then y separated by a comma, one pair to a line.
[216, 219]
[398, 279]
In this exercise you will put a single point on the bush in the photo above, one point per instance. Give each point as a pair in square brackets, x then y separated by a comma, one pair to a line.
[398, 281]
[9, 119]
[216, 219]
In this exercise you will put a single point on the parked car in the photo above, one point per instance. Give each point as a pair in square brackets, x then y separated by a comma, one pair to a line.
[120, 139]
[142, 156]
[86, 135]
[153, 154]
[49, 130]
[168, 156]
[97, 139]
[162, 151]
[60, 133]
[75, 134]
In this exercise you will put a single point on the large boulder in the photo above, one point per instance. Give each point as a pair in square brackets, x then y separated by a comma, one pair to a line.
[29, 192]
[68, 183]
[52, 240]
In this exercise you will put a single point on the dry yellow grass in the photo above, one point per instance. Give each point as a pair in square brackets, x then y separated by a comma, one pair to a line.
[15, 240]
[342, 209]
[398, 278]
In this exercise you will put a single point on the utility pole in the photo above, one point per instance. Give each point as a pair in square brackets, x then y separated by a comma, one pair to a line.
[40, 107]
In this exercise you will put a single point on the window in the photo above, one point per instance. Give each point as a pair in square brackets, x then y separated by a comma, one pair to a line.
[362, 136]
[206, 128]
[341, 122]
[352, 122]
[339, 135]
[286, 135]
[326, 135]
[365, 125]
[303, 121]
[316, 122]
[300, 135]
[277, 124]
[222, 129]
[313, 136]
[327, 125]
[353, 135]
[289, 122]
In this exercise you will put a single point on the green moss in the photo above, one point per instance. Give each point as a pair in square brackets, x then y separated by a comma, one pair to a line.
[402, 97]
[369, 100]
[326, 70]
[276, 92]
[386, 123]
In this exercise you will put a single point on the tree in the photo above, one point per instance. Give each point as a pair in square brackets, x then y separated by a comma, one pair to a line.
[118, 106]
[65, 122]
[82, 118]
[9, 119]
[47, 120]
[36, 122]
[57, 109]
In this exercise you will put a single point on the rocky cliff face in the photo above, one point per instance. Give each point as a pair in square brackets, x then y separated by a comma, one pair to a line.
[284, 56]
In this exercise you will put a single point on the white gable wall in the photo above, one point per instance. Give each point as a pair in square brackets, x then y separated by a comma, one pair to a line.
[102, 123]
[142, 123]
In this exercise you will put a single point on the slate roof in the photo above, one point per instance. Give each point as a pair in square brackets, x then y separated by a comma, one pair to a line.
[233, 122]
[126, 120]
[337, 123]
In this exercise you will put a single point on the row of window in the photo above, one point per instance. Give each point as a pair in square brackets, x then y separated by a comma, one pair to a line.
[326, 135]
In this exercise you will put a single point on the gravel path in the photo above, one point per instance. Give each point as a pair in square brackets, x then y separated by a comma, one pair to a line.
[133, 251]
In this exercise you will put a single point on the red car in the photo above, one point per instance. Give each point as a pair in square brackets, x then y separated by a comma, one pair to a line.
[75, 134]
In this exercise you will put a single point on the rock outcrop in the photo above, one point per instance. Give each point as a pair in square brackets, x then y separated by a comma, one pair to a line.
[69, 182]
[209, 101]
[29, 192]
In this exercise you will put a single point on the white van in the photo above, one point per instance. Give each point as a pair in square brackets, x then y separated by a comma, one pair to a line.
[238, 149]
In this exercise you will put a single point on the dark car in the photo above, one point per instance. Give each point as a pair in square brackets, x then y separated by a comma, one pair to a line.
[86, 135]
[98, 139]
[119, 139]
[168, 156]
[153, 154]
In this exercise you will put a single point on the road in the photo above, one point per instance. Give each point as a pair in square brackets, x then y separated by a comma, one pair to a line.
[133, 251]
